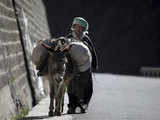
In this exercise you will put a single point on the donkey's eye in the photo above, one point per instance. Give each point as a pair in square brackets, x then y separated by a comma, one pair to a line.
[63, 42]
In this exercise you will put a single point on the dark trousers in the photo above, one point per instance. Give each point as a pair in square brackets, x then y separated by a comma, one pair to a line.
[80, 89]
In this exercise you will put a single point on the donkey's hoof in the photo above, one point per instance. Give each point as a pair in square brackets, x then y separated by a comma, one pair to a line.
[50, 113]
[57, 114]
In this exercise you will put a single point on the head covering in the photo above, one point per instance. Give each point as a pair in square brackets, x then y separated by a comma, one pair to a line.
[81, 21]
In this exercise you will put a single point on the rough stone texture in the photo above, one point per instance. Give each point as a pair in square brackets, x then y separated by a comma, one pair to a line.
[18, 84]
[6, 103]
[34, 27]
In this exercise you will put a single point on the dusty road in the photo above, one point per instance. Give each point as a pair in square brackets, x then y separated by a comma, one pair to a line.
[115, 97]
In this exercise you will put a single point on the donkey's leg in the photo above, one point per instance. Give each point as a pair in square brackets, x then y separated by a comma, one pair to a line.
[51, 107]
[62, 104]
[59, 92]
[60, 95]
[57, 109]
[62, 89]
[57, 102]
[60, 98]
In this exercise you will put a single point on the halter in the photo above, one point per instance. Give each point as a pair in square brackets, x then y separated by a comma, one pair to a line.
[55, 44]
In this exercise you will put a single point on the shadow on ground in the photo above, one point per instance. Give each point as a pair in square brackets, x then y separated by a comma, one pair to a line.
[35, 117]
[43, 117]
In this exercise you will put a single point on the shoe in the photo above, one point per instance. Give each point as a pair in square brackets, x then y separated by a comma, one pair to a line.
[85, 106]
[83, 111]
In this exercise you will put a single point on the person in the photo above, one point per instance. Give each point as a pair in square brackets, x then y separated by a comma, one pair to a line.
[81, 87]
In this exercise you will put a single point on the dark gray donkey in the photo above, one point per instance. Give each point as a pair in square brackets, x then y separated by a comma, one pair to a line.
[56, 72]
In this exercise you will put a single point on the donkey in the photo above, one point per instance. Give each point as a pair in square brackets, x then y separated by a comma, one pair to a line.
[47, 55]
[58, 79]
[57, 73]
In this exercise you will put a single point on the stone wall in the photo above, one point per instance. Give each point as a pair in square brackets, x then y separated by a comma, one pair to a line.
[22, 24]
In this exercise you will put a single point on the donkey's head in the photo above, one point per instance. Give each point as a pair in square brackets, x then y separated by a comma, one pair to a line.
[58, 59]
[61, 43]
